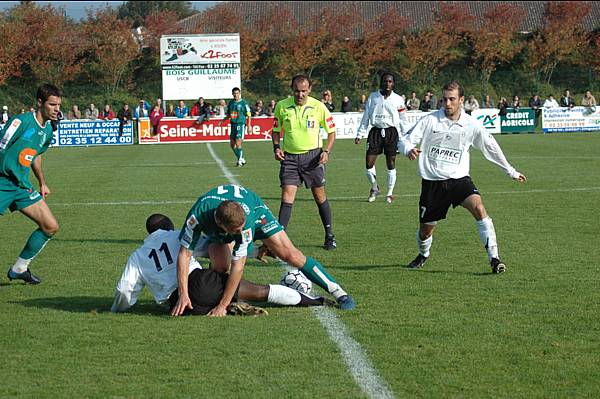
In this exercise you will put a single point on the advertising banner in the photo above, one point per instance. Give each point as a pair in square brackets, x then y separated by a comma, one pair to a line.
[188, 130]
[489, 119]
[91, 133]
[518, 120]
[196, 66]
[576, 119]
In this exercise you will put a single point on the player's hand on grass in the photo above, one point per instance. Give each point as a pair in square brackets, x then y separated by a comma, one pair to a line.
[218, 311]
[182, 303]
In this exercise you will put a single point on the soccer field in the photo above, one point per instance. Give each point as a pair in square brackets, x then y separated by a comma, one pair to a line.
[449, 330]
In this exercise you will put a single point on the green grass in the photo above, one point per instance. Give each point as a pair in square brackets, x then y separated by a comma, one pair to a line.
[449, 330]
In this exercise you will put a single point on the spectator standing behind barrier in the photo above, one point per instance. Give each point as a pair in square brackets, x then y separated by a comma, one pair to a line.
[201, 110]
[142, 110]
[471, 105]
[426, 104]
[588, 100]
[170, 111]
[221, 109]
[91, 112]
[346, 104]
[124, 115]
[328, 100]
[155, 116]
[74, 113]
[487, 102]
[258, 109]
[434, 101]
[516, 103]
[503, 106]
[536, 103]
[362, 103]
[566, 100]
[413, 102]
[551, 102]
[182, 111]
[270, 110]
[107, 113]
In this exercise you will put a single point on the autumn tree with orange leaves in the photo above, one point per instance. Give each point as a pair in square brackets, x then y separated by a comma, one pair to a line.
[110, 47]
[428, 51]
[496, 40]
[561, 37]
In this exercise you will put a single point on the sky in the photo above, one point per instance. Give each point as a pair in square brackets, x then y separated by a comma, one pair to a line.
[77, 9]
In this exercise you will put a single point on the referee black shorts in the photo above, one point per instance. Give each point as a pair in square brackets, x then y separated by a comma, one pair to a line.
[382, 141]
[437, 196]
[304, 168]
[205, 289]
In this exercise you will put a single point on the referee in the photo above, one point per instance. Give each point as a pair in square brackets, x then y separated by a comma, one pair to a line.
[301, 153]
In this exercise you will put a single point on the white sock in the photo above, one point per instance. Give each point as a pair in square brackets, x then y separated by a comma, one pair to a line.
[372, 177]
[391, 180]
[487, 233]
[21, 265]
[424, 245]
[282, 295]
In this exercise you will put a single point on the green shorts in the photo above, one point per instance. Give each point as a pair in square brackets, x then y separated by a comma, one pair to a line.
[237, 131]
[14, 197]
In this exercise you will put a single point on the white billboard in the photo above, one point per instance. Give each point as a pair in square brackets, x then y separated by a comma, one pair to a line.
[200, 66]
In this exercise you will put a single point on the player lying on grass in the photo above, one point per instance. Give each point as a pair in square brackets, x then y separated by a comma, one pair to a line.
[154, 264]
[233, 213]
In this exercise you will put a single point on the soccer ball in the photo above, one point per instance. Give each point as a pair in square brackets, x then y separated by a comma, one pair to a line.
[296, 280]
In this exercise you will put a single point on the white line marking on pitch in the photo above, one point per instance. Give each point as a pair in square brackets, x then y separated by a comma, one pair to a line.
[363, 372]
[564, 190]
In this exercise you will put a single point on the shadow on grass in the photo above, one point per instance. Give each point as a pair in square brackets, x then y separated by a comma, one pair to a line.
[89, 304]
[406, 268]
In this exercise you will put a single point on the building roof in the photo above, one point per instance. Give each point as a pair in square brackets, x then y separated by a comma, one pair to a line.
[419, 13]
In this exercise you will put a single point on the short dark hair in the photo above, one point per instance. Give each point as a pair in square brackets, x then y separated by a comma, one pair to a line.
[230, 214]
[46, 90]
[158, 221]
[454, 85]
[300, 78]
[384, 74]
[235, 89]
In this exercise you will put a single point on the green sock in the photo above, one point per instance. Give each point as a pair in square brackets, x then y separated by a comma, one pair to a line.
[318, 275]
[36, 242]
[241, 153]
[237, 151]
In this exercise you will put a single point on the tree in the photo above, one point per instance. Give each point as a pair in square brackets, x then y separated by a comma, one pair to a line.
[52, 56]
[430, 50]
[137, 11]
[110, 48]
[496, 40]
[560, 38]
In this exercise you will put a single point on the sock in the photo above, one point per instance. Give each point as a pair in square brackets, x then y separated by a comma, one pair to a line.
[487, 233]
[285, 214]
[424, 245]
[241, 153]
[391, 180]
[372, 177]
[318, 275]
[282, 295]
[237, 152]
[36, 242]
[21, 265]
[325, 213]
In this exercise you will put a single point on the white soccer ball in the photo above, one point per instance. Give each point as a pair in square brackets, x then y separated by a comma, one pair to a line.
[296, 280]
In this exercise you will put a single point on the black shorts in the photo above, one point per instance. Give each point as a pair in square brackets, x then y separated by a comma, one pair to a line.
[302, 168]
[382, 140]
[437, 196]
[205, 288]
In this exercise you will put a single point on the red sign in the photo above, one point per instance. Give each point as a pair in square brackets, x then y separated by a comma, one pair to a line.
[188, 130]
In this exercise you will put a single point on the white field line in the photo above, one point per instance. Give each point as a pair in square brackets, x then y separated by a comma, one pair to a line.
[233, 180]
[363, 372]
